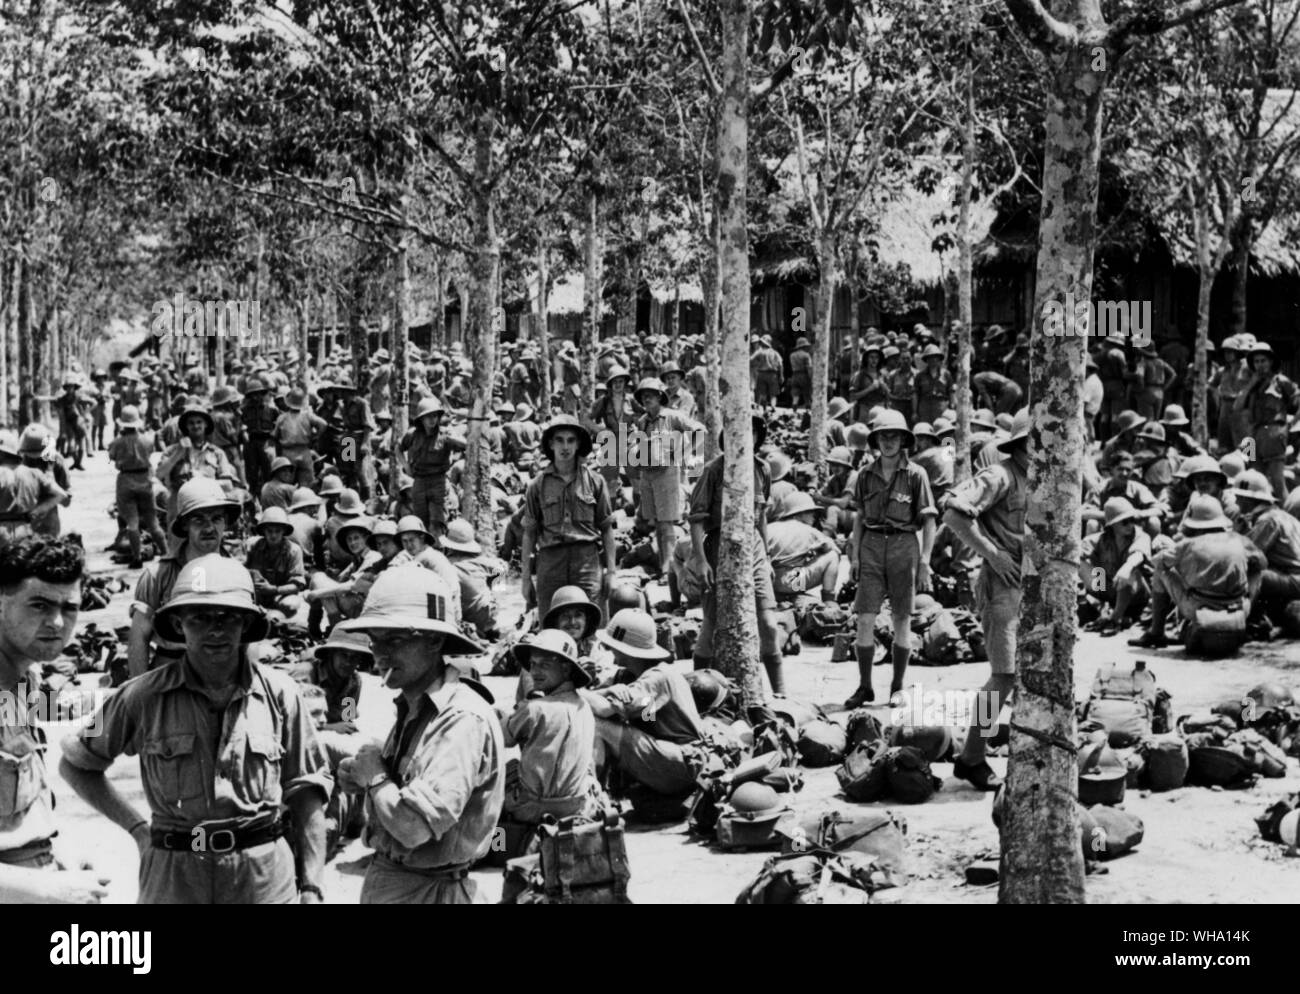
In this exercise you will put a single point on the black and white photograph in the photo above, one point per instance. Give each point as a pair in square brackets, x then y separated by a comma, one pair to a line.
[651, 452]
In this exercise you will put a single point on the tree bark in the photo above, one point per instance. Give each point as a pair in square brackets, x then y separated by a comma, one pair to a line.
[828, 266]
[398, 385]
[358, 340]
[477, 504]
[965, 288]
[1241, 246]
[589, 332]
[1041, 858]
[736, 634]
[438, 322]
[709, 274]
[543, 338]
[28, 347]
[9, 327]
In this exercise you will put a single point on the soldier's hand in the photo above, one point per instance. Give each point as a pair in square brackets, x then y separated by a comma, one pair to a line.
[923, 581]
[701, 566]
[1004, 567]
[75, 887]
[526, 589]
[367, 764]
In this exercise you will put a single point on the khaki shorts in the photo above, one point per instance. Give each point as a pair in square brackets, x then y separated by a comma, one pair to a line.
[998, 604]
[661, 495]
[887, 567]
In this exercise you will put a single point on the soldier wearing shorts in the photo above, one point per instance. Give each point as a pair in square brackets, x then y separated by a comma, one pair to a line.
[568, 520]
[661, 441]
[892, 540]
[130, 452]
[987, 513]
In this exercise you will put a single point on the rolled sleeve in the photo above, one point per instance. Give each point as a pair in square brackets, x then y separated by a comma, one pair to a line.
[463, 761]
[305, 764]
[980, 492]
[111, 732]
[922, 495]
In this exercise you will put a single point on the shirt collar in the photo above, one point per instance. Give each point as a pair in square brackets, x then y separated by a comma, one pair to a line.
[183, 674]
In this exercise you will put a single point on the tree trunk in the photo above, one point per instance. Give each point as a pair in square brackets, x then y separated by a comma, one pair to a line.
[543, 338]
[358, 340]
[28, 346]
[438, 323]
[675, 319]
[477, 504]
[1041, 858]
[855, 314]
[965, 280]
[736, 633]
[589, 332]
[820, 330]
[398, 386]
[8, 332]
[1200, 367]
[709, 273]
[1241, 247]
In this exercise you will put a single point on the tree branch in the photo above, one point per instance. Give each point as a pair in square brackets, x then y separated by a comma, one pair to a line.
[710, 80]
[1040, 27]
[1154, 22]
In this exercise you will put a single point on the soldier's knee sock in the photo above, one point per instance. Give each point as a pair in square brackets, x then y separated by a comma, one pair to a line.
[1159, 611]
[866, 656]
[315, 615]
[702, 662]
[901, 656]
[775, 676]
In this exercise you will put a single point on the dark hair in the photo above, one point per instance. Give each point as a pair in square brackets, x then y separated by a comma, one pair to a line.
[54, 560]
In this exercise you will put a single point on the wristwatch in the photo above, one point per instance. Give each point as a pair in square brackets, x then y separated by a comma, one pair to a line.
[378, 780]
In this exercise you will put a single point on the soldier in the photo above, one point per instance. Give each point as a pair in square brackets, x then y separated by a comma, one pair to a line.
[130, 452]
[1277, 535]
[933, 386]
[987, 514]
[279, 490]
[99, 414]
[72, 421]
[1271, 400]
[869, 388]
[294, 433]
[767, 371]
[27, 495]
[706, 533]
[223, 743]
[196, 450]
[38, 452]
[667, 438]
[259, 418]
[803, 558]
[308, 532]
[434, 791]
[429, 453]
[227, 431]
[613, 417]
[568, 520]
[893, 502]
[203, 515]
[275, 561]
[680, 399]
[1115, 566]
[900, 377]
[522, 436]
[355, 461]
[420, 547]
[1227, 385]
[800, 373]
[476, 574]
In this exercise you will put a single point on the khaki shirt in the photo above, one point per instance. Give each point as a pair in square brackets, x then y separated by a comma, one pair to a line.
[903, 502]
[556, 735]
[566, 512]
[200, 764]
[998, 497]
[446, 756]
[26, 801]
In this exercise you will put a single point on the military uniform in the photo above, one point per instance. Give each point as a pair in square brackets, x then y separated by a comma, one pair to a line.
[891, 513]
[556, 735]
[278, 567]
[259, 417]
[1271, 404]
[293, 433]
[800, 377]
[428, 460]
[26, 801]
[445, 755]
[933, 394]
[659, 725]
[767, 371]
[22, 489]
[130, 452]
[207, 772]
[567, 518]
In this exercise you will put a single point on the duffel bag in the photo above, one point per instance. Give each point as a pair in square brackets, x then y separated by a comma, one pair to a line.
[1108, 833]
[862, 775]
[821, 743]
[1166, 762]
[907, 772]
[873, 832]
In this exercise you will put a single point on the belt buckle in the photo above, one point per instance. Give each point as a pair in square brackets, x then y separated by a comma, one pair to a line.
[214, 836]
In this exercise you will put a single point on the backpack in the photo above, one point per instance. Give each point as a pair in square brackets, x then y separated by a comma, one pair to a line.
[1107, 833]
[1166, 762]
[737, 831]
[1126, 704]
[941, 643]
[1214, 765]
[863, 726]
[1271, 820]
[823, 621]
[908, 775]
[821, 743]
[816, 878]
[842, 650]
[1269, 761]
[934, 741]
[584, 862]
[686, 631]
[872, 832]
[862, 776]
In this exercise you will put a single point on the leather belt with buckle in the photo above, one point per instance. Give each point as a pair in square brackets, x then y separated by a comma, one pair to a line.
[221, 840]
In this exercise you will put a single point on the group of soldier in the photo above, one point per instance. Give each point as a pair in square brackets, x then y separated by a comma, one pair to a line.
[266, 511]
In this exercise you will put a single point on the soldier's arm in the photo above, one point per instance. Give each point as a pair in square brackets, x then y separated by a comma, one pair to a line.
[137, 646]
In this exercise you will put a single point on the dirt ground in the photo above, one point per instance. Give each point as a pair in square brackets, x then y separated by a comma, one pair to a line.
[1200, 845]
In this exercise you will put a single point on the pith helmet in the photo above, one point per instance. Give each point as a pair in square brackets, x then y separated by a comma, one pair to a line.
[1253, 485]
[573, 597]
[199, 494]
[212, 581]
[415, 598]
[891, 420]
[568, 423]
[632, 632]
[559, 643]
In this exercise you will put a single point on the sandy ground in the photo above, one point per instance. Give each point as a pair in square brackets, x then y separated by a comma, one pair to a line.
[1200, 845]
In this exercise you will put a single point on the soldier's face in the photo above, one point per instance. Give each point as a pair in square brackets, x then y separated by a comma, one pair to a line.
[564, 445]
[889, 442]
[572, 622]
[274, 536]
[212, 630]
[1261, 363]
[356, 542]
[205, 530]
[196, 427]
[387, 546]
[37, 618]
[407, 660]
[1206, 483]
[547, 670]
[1120, 472]
[672, 381]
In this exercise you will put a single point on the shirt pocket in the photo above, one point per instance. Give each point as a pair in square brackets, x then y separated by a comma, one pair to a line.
[20, 783]
[171, 765]
[263, 756]
[1017, 501]
[553, 510]
[584, 509]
